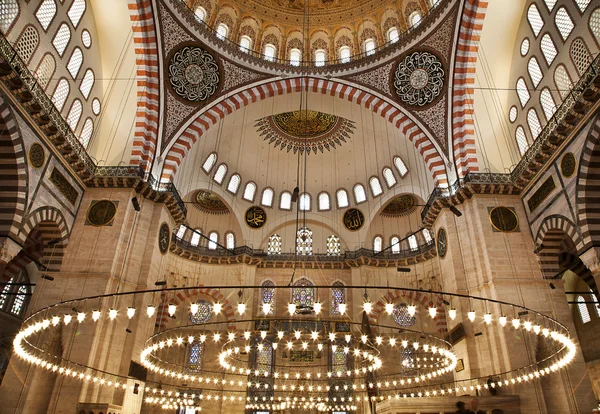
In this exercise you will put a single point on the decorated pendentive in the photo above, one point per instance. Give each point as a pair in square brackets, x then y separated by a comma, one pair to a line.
[419, 78]
[193, 74]
[255, 217]
[310, 131]
[353, 219]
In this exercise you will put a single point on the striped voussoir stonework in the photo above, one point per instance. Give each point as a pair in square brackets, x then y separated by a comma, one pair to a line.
[588, 188]
[32, 252]
[463, 125]
[146, 50]
[186, 296]
[212, 115]
[413, 298]
[13, 174]
[52, 224]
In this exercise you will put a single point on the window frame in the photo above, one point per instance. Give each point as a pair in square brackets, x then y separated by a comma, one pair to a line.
[262, 197]
[239, 184]
[250, 183]
[45, 29]
[325, 193]
[357, 185]
[64, 49]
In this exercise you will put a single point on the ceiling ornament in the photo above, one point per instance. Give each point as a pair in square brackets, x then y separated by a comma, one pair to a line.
[310, 131]
[194, 74]
[419, 79]
[209, 203]
[400, 206]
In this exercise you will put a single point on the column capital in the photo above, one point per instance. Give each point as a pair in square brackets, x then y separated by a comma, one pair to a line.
[591, 258]
[8, 250]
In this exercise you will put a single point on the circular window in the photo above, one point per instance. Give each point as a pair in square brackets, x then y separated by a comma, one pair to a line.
[86, 38]
[512, 114]
[204, 312]
[524, 47]
[402, 317]
[96, 106]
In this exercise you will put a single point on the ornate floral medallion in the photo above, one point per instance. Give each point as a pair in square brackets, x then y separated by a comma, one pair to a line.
[504, 219]
[193, 74]
[209, 203]
[400, 206]
[101, 213]
[568, 164]
[419, 78]
[310, 131]
[37, 156]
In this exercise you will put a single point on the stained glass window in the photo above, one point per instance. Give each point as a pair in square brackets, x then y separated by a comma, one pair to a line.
[249, 191]
[19, 301]
[402, 317]
[181, 231]
[333, 245]
[320, 56]
[338, 295]
[204, 313]
[407, 361]
[214, 238]
[303, 293]
[267, 295]
[4, 294]
[415, 19]
[412, 242]
[338, 361]
[393, 35]
[245, 43]
[395, 243]
[345, 53]
[400, 166]
[194, 360]
[595, 300]
[583, 310]
[195, 240]
[222, 31]
[342, 198]
[270, 52]
[295, 57]
[304, 239]
[264, 357]
[369, 47]
[200, 13]
[427, 236]
[305, 202]
[274, 244]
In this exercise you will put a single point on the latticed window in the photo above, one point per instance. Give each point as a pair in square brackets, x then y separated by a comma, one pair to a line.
[245, 43]
[86, 132]
[86, 38]
[181, 231]
[303, 293]
[324, 203]
[76, 11]
[27, 43]
[548, 48]
[74, 114]
[338, 296]
[402, 317]
[75, 62]
[5, 292]
[274, 244]
[393, 35]
[295, 57]
[249, 191]
[521, 139]
[524, 47]
[360, 194]
[195, 240]
[13, 297]
[209, 162]
[400, 166]
[270, 52]
[522, 92]
[45, 13]
[204, 313]
[377, 244]
[267, 197]
[580, 55]
[547, 102]
[534, 123]
[19, 301]
[87, 84]
[564, 23]
[369, 47]
[264, 357]
[305, 202]
[234, 184]
[583, 310]
[407, 362]
[563, 81]
[342, 198]
[230, 240]
[595, 300]
[222, 31]
[200, 13]
[45, 70]
[333, 245]
[512, 113]
[594, 24]
[194, 359]
[267, 295]
[61, 39]
[389, 177]
[60, 94]
[338, 361]
[320, 57]
[214, 239]
[535, 19]
[375, 185]
[345, 53]
[220, 174]
[535, 72]
[9, 9]
[395, 244]
[285, 202]
[304, 241]
[96, 106]
[412, 242]
[550, 4]
[582, 4]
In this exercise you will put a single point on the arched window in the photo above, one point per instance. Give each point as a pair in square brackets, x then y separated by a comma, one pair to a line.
[522, 92]
[339, 364]
[86, 132]
[60, 94]
[61, 39]
[415, 19]
[583, 310]
[45, 70]
[427, 236]
[400, 166]
[220, 174]
[200, 13]
[13, 298]
[204, 313]
[86, 38]
[264, 358]
[512, 113]
[360, 195]
[295, 55]
[304, 240]
[534, 123]
[4, 295]
[75, 62]
[303, 294]
[412, 242]
[234, 184]
[338, 296]
[595, 300]
[96, 106]
[285, 201]
[267, 295]
[535, 19]
[345, 53]
[76, 12]
[369, 47]
[18, 305]
[564, 23]
[9, 10]
[342, 198]
[582, 4]
[395, 244]
[333, 245]
[209, 162]
[562, 80]
[87, 84]
[181, 231]
[535, 72]
[45, 13]
[270, 52]
[392, 34]
[521, 139]
[214, 239]
[324, 204]
[320, 56]
[274, 244]
[245, 43]
[377, 244]
[74, 114]
[194, 358]
[305, 202]
[230, 240]
[249, 191]
[375, 185]
[580, 55]
[267, 197]
[195, 240]
[389, 177]
[524, 47]
[27, 43]
[547, 102]
[222, 31]
[594, 24]
[548, 48]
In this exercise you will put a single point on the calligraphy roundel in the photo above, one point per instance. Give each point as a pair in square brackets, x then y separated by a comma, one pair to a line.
[256, 217]
[193, 74]
[353, 219]
[419, 78]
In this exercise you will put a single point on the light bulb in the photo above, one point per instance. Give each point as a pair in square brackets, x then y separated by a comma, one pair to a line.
[112, 314]
[348, 338]
[266, 308]
[364, 338]
[412, 309]
[246, 335]
[392, 341]
[150, 310]
[217, 337]
[67, 319]
[280, 334]
[80, 317]
[527, 325]
[502, 320]
[241, 308]
[56, 321]
[452, 313]
[318, 307]
[217, 307]
[194, 308]
[314, 335]
[389, 308]
[342, 308]
[274, 345]
[432, 312]
[416, 345]
[537, 329]
[487, 318]
[171, 309]
[231, 336]
[263, 334]
[297, 334]
[516, 323]
[130, 312]
[379, 340]
[471, 315]
[291, 308]
[368, 307]
[320, 347]
[331, 336]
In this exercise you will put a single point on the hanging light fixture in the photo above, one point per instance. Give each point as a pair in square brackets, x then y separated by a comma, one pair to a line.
[112, 314]
[318, 307]
[217, 307]
[502, 320]
[150, 310]
[292, 308]
[80, 317]
[452, 313]
[389, 308]
[487, 318]
[96, 315]
[432, 312]
[194, 308]
[412, 310]
[266, 308]
[130, 312]
[241, 308]
[342, 308]
[471, 315]
[171, 309]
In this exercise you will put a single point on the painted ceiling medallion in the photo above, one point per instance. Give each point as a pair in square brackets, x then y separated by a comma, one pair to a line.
[209, 203]
[419, 78]
[193, 74]
[400, 206]
[310, 131]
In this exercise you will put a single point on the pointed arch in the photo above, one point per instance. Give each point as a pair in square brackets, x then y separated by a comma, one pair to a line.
[588, 175]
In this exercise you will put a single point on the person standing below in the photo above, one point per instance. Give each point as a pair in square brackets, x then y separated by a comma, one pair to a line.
[475, 407]
[460, 408]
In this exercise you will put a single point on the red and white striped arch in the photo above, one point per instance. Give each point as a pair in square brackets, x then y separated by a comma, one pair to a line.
[431, 154]
[465, 62]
